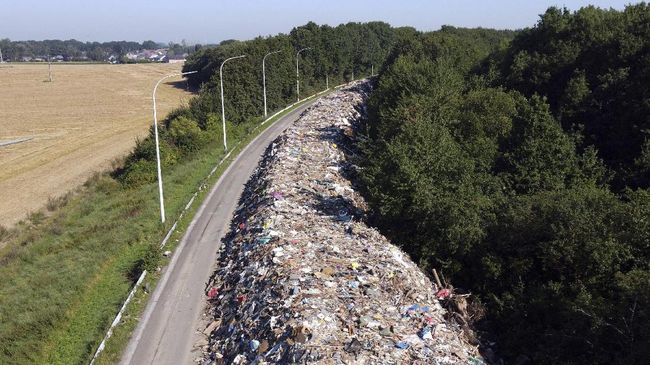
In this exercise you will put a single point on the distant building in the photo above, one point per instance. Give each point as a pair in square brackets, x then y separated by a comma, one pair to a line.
[150, 55]
[177, 58]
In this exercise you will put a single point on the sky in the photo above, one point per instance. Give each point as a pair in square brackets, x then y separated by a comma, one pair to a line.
[211, 21]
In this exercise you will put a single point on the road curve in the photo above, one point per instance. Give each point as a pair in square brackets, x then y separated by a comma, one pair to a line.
[167, 328]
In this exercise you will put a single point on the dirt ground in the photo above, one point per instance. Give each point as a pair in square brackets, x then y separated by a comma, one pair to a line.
[73, 126]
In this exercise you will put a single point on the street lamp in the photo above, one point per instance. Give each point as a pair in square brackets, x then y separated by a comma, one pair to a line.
[223, 113]
[297, 76]
[155, 128]
[264, 77]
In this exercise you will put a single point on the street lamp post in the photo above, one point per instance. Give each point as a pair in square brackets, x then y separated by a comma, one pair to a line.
[155, 128]
[297, 74]
[223, 113]
[264, 78]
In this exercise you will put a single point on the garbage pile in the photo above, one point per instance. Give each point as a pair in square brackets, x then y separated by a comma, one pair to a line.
[302, 278]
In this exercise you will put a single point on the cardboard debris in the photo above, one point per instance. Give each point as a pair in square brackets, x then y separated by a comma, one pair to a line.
[303, 279]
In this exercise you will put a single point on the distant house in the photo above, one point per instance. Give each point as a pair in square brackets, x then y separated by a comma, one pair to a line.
[147, 55]
[157, 57]
[177, 58]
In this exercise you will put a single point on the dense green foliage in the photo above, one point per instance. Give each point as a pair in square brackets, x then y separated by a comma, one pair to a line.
[492, 159]
[594, 68]
[186, 130]
[336, 52]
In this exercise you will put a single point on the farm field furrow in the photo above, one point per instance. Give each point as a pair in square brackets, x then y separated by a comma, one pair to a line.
[88, 116]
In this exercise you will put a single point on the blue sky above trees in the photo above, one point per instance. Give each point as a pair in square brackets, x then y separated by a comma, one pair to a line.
[210, 21]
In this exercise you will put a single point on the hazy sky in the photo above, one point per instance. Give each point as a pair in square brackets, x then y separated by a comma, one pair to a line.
[202, 21]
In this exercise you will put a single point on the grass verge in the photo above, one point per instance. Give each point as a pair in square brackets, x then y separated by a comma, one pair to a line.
[66, 273]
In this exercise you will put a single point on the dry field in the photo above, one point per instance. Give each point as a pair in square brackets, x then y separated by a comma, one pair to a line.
[88, 116]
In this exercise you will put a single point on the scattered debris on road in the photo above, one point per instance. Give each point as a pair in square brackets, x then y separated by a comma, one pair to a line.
[303, 279]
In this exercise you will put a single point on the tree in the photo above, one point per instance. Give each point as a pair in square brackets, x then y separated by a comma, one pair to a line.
[335, 53]
[475, 163]
[149, 45]
[592, 65]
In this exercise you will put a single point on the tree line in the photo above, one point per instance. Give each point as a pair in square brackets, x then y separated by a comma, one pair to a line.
[336, 53]
[517, 163]
[74, 50]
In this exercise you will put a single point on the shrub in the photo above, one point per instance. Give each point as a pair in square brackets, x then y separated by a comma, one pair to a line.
[151, 258]
[185, 134]
[140, 166]
[149, 261]
[145, 149]
[139, 173]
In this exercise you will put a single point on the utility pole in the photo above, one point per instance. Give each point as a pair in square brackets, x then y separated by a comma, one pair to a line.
[223, 112]
[327, 82]
[297, 74]
[1, 60]
[372, 70]
[155, 129]
[264, 78]
[49, 68]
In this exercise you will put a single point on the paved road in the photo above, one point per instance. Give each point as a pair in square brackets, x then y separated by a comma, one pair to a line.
[166, 332]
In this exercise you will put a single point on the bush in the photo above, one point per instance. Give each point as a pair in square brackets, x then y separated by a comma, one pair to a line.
[140, 166]
[145, 149]
[185, 134]
[139, 173]
[150, 260]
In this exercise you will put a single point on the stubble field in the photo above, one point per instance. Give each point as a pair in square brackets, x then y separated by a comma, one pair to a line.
[77, 124]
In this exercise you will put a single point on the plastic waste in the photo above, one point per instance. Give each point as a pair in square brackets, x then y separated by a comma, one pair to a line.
[213, 292]
[301, 278]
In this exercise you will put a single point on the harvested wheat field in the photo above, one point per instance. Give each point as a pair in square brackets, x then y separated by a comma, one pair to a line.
[54, 135]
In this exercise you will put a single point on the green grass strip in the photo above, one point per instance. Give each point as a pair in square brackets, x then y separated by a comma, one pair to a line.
[65, 274]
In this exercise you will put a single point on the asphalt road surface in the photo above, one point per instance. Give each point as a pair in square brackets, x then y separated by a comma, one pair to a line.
[166, 332]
